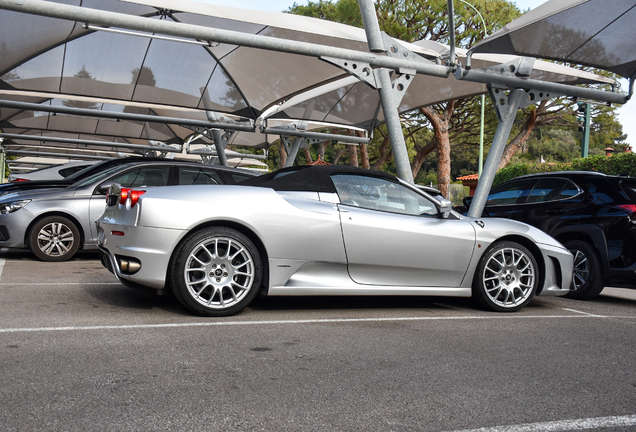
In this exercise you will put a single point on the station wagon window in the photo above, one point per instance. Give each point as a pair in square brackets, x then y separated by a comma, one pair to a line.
[510, 193]
[144, 176]
[198, 176]
[381, 194]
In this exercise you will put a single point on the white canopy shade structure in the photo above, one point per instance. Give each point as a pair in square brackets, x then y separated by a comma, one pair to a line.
[199, 62]
[110, 91]
[597, 33]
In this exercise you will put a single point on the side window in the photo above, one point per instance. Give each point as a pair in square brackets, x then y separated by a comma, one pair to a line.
[380, 194]
[510, 193]
[71, 170]
[546, 190]
[144, 176]
[569, 190]
[198, 176]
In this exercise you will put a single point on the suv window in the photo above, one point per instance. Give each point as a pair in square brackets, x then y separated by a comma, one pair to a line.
[198, 176]
[551, 190]
[509, 193]
[380, 194]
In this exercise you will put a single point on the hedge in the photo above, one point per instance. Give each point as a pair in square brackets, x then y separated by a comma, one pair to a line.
[617, 164]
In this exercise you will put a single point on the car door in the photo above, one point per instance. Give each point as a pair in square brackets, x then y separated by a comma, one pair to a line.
[551, 203]
[395, 236]
[142, 176]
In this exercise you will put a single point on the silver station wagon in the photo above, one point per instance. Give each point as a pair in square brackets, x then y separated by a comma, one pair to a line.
[54, 223]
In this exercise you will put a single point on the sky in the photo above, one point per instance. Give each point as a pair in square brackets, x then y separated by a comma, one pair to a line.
[627, 113]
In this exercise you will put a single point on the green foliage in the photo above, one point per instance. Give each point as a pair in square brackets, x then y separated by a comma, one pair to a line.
[619, 164]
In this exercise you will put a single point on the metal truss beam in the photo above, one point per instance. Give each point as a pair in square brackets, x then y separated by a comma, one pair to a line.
[163, 149]
[122, 116]
[48, 154]
[284, 132]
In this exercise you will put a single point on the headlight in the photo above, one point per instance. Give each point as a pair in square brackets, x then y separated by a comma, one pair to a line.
[12, 206]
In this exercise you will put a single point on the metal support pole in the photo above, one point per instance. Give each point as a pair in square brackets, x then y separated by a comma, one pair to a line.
[220, 147]
[387, 97]
[481, 135]
[293, 152]
[508, 111]
[3, 159]
[585, 143]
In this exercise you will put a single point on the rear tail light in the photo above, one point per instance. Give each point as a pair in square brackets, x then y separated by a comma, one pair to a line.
[629, 208]
[124, 195]
[134, 196]
[19, 180]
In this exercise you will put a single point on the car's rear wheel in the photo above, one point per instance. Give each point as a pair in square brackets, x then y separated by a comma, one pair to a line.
[54, 238]
[587, 280]
[216, 272]
[506, 278]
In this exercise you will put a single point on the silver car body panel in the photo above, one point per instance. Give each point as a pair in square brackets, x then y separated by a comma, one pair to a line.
[312, 246]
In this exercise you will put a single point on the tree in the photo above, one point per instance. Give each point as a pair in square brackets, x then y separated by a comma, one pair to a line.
[83, 74]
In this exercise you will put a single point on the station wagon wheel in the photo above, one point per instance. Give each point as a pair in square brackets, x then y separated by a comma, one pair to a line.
[216, 272]
[587, 280]
[54, 238]
[506, 278]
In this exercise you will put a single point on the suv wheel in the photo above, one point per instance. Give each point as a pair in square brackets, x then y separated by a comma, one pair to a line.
[587, 280]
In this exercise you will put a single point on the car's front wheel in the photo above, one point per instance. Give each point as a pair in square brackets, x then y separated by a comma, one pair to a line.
[54, 238]
[506, 278]
[216, 272]
[587, 280]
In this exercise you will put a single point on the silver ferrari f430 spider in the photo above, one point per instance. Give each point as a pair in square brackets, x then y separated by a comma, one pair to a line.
[321, 230]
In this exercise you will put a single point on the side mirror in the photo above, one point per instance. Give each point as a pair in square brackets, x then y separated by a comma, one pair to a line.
[445, 207]
[102, 189]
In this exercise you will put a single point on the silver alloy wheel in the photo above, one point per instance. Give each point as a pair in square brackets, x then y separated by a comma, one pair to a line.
[219, 272]
[581, 273]
[55, 239]
[509, 277]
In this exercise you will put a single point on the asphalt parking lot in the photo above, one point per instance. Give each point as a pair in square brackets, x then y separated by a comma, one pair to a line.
[81, 352]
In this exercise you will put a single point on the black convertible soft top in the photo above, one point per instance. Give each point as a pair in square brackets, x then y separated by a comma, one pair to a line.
[312, 178]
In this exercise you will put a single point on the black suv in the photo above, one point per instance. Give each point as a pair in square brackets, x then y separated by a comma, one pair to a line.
[592, 214]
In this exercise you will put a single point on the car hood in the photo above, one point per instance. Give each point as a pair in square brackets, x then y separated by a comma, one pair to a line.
[38, 194]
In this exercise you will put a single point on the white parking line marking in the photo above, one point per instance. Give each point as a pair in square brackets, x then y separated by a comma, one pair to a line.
[2, 261]
[60, 283]
[581, 312]
[287, 322]
[562, 425]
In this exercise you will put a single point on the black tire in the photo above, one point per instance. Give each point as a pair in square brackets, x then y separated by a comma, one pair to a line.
[506, 278]
[587, 277]
[216, 272]
[54, 239]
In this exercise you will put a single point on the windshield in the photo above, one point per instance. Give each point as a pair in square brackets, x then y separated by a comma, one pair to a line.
[94, 178]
